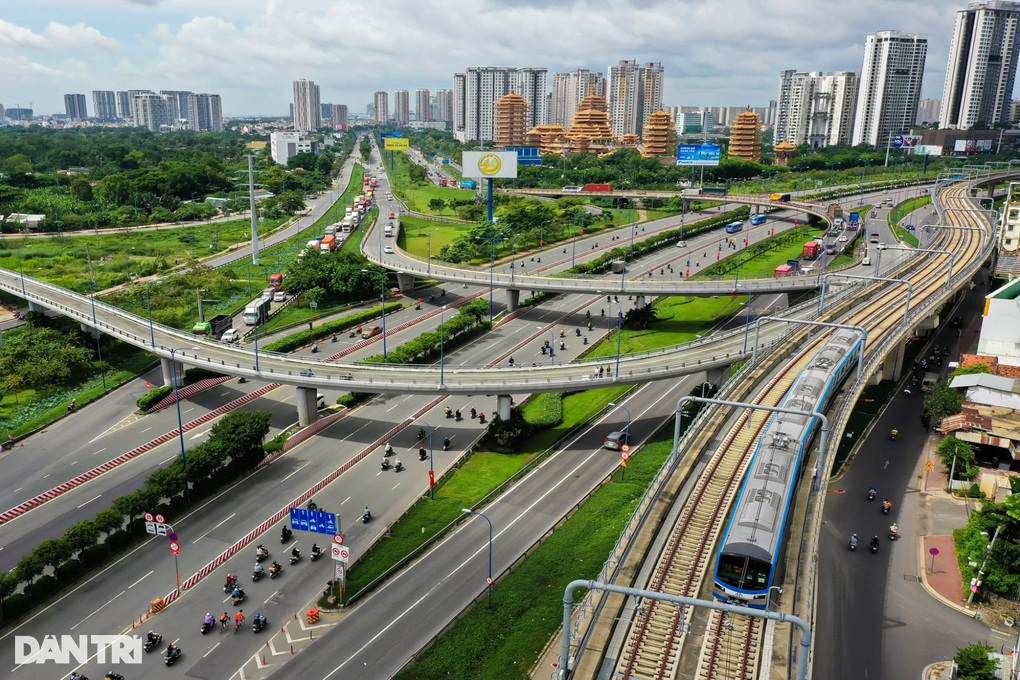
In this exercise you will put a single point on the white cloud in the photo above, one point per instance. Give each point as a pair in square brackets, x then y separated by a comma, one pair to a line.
[79, 35]
[12, 35]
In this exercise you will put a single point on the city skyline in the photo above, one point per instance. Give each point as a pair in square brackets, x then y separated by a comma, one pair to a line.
[252, 57]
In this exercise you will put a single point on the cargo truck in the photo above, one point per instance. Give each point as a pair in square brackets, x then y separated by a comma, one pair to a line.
[328, 244]
[213, 328]
[785, 198]
[598, 187]
[811, 249]
[276, 281]
[712, 191]
[257, 313]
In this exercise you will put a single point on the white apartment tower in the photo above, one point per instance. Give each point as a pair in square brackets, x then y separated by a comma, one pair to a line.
[338, 116]
[205, 112]
[422, 105]
[890, 86]
[459, 102]
[401, 108]
[442, 106]
[307, 112]
[982, 65]
[634, 92]
[484, 86]
[570, 88]
[151, 111]
[381, 102]
[816, 109]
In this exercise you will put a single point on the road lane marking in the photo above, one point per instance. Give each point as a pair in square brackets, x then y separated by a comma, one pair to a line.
[98, 610]
[168, 460]
[345, 500]
[294, 473]
[211, 650]
[89, 501]
[139, 580]
[199, 434]
[74, 463]
[225, 393]
[395, 486]
[45, 476]
[266, 601]
[214, 528]
[18, 489]
[146, 430]
[100, 450]
[189, 410]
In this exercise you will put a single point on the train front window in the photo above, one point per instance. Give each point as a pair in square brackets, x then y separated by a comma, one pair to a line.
[740, 572]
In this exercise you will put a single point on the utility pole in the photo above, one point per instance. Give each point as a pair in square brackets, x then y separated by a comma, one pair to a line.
[976, 583]
[254, 212]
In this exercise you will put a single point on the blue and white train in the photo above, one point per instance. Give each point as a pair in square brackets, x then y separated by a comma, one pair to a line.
[746, 563]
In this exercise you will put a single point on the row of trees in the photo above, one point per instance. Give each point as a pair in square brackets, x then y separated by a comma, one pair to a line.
[234, 447]
[340, 275]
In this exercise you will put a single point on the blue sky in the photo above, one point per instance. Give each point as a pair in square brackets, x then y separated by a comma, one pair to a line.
[721, 52]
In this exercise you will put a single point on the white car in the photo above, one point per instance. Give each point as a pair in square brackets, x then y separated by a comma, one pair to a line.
[388, 250]
[279, 296]
[843, 239]
[681, 244]
[230, 335]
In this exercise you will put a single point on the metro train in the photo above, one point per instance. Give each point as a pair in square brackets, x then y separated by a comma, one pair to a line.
[746, 562]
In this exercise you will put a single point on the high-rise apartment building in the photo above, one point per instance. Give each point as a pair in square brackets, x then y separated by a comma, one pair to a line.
[179, 108]
[338, 116]
[459, 102]
[484, 86]
[401, 108]
[104, 104]
[422, 105]
[890, 86]
[570, 88]
[205, 112]
[74, 106]
[382, 108]
[982, 65]
[817, 108]
[151, 111]
[634, 92]
[442, 106]
[126, 104]
[928, 111]
[307, 113]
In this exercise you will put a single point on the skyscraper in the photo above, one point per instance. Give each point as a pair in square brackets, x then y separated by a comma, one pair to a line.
[484, 86]
[928, 111]
[442, 106]
[74, 106]
[890, 86]
[401, 107]
[460, 103]
[422, 106]
[982, 65]
[338, 116]
[151, 111]
[817, 108]
[532, 85]
[570, 88]
[205, 112]
[104, 104]
[634, 92]
[307, 114]
[179, 107]
[382, 108]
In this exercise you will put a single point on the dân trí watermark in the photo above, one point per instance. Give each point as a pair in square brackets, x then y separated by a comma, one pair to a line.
[65, 649]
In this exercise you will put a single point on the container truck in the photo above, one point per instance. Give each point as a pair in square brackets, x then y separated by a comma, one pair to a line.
[811, 249]
[712, 191]
[276, 281]
[328, 244]
[214, 327]
[257, 313]
[598, 187]
[468, 184]
[785, 198]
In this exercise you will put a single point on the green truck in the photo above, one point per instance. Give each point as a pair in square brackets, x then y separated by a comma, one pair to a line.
[214, 327]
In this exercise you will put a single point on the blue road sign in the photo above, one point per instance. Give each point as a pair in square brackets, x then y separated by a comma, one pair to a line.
[313, 520]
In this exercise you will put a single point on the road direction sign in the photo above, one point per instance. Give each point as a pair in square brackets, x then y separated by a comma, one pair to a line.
[338, 539]
[929, 466]
[175, 547]
[313, 520]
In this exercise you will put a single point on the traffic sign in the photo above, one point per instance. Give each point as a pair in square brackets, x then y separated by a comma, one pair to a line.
[148, 517]
[338, 539]
[488, 580]
[625, 448]
[313, 520]
[624, 455]
[341, 553]
[933, 551]
[172, 536]
[929, 466]
[160, 519]
[175, 547]
[341, 569]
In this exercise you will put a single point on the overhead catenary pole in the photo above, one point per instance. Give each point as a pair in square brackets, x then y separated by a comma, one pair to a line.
[254, 212]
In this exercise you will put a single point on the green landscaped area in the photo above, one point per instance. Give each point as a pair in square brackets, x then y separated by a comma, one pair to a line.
[415, 233]
[417, 196]
[899, 214]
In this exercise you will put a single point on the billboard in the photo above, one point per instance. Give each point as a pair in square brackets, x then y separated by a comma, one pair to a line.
[486, 164]
[526, 155]
[927, 150]
[698, 154]
[905, 141]
[396, 144]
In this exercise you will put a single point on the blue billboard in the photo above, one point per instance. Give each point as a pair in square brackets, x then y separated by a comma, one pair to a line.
[526, 155]
[313, 520]
[698, 154]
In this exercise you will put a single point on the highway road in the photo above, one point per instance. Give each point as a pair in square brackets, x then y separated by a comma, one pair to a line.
[874, 617]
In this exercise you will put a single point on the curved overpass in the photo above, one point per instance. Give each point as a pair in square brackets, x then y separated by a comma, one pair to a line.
[405, 263]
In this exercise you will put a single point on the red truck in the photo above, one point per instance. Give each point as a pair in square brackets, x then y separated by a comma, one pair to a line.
[328, 244]
[598, 187]
[811, 249]
[276, 281]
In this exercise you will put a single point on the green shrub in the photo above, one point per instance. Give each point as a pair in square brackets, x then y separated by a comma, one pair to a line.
[352, 399]
[545, 409]
[42, 588]
[341, 325]
[276, 443]
[153, 397]
[15, 605]
[69, 571]
[193, 375]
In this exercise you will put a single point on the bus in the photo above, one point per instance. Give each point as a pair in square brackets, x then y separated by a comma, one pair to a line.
[734, 227]
[758, 219]
[572, 190]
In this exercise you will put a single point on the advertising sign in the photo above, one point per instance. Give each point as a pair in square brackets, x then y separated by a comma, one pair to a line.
[928, 150]
[698, 154]
[396, 144]
[984, 145]
[526, 155]
[490, 164]
[960, 145]
[315, 521]
[905, 141]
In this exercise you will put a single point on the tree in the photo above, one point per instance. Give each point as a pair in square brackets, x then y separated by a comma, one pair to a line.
[942, 401]
[132, 504]
[167, 482]
[54, 552]
[82, 535]
[8, 584]
[973, 662]
[242, 434]
[315, 294]
[28, 568]
[965, 466]
[437, 204]
[417, 174]
[109, 521]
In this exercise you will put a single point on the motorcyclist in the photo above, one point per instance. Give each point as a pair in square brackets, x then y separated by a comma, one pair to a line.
[874, 541]
[563, 345]
[172, 650]
[388, 450]
[422, 453]
[421, 432]
[259, 569]
[366, 513]
[398, 465]
[448, 412]
[315, 347]
[259, 619]
[316, 549]
[886, 505]
[446, 443]
[872, 491]
[287, 532]
[295, 553]
[274, 568]
[481, 417]
[152, 635]
[237, 594]
[894, 530]
[853, 541]
[894, 433]
[261, 551]
[456, 414]
[385, 464]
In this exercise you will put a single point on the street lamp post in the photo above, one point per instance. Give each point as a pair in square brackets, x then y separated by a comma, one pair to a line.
[432, 468]
[492, 263]
[95, 323]
[626, 430]
[619, 339]
[488, 580]
[442, 352]
[747, 321]
[382, 304]
[180, 423]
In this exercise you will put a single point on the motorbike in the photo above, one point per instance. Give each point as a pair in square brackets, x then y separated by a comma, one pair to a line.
[446, 444]
[275, 570]
[206, 627]
[228, 587]
[853, 542]
[285, 535]
[258, 623]
[894, 532]
[398, 467]
[585, 340]
[563, 345]
[423, 454]
[481, 418]
[295, 556]
[237, 599]
[872, 492]
[316, 553]
[242, 380]
[110, 675]
[577, 332]
[893, 435]
[365, 517]
[315, 349]
[352, 335]
[261, 554]
[385, 465]
[312, 505]
[886, 507]
[152, 643]
[448, 412]
[388, 451]
[256, 574]
[456, 416]
[421, 433]
[172, 656]
[874, 544]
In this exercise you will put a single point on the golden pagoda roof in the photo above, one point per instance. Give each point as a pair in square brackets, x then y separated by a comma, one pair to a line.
[784, 146]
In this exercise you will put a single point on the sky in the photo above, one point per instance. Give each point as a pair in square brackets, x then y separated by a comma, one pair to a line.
[714, 52]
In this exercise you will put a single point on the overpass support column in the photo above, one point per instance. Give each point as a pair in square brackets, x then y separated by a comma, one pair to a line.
[639, 301]
[717, 376]
[33, 307]
[168, 371]
[513, 299]
[307, 411]
[503, 404]
[89, 330]
[892, 365]
[405, 282]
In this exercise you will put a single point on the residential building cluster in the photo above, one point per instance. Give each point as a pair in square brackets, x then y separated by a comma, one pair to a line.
[168, 110]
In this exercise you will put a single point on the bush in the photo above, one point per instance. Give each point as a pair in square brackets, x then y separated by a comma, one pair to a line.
[153, 397]
[341, 325]
[276, 443]
[193, 375]
[69, 571]
[42, 588]
[545, 409]
[119, 540]
[352, 399]
[15, 605]
[94, 554]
